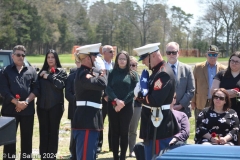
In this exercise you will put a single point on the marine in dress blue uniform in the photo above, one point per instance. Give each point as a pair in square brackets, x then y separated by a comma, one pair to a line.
[87, 120]
[158, 124]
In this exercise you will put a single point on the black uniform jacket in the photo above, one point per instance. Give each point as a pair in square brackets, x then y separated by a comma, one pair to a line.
[70, 94]
[51, 89]
[88, 89]
[161, 92]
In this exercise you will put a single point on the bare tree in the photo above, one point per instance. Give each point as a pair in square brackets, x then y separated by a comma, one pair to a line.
[142, 18]
[229, 13]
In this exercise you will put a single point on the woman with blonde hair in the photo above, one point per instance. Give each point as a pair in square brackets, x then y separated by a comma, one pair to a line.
[87, 120]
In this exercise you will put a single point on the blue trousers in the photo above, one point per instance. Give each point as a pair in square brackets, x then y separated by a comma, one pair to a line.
[160, 145]
[86, 144]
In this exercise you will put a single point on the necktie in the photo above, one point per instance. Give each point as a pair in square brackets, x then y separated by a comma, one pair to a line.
[173, 68]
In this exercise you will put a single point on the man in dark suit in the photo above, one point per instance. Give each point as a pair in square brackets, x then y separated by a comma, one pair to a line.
[70, 96]
[185, 84]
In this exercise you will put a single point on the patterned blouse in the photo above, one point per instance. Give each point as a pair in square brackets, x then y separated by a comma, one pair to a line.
[209, 121]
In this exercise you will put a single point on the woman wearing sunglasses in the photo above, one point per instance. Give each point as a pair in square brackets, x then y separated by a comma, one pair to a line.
[218, 124]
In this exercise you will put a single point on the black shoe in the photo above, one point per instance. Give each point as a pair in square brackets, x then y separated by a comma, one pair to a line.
[99, 150]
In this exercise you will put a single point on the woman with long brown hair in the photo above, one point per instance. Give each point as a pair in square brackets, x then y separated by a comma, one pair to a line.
[121, 83]
[218, 124]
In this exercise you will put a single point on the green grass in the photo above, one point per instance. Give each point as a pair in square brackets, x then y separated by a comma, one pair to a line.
[68, 58]
[64, 58]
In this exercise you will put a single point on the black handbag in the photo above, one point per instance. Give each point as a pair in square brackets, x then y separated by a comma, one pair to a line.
[7, 130]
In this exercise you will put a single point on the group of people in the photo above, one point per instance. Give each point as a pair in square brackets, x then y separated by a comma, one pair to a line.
[98, 87]
[20, 85]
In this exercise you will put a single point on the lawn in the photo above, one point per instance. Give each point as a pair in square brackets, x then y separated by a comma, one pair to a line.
[68, 58]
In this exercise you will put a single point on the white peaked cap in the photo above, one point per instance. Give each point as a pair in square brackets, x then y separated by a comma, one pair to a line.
[88, 49]
[144, 51]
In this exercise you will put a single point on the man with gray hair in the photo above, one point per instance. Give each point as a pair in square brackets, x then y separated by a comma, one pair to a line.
[19, 87]
[185, 84]
[108, 54]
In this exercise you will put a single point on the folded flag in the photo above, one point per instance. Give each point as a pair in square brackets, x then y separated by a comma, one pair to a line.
[144, 82]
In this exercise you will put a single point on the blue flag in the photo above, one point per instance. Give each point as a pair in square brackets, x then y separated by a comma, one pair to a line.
[144, 82]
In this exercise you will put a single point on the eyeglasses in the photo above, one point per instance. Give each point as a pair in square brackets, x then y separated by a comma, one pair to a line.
[218, 97]
[19, 55]
[234, 62]
[133, 65]
[212, 54]
[111, 51]
[172, 52]
[122, 59]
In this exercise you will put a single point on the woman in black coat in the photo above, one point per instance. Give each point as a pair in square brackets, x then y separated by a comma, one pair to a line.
[50, 104]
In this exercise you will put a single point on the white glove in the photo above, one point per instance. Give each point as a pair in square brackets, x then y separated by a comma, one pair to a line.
[137, 89]
[99, 64]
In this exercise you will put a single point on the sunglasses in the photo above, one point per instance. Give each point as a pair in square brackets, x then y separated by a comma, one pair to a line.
[133, 65]
[212, 55]
[234, 62]
[171, 52]
[218, 97]
[122, 59]
[19, 55]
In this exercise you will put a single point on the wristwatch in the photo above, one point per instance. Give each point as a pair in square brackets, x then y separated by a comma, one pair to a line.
[26, 100]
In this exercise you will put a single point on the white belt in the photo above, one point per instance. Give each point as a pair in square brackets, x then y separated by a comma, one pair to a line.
[88, 103]
[164, 107]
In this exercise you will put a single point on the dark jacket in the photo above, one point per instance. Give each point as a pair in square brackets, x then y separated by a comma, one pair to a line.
[183, 124]
[88, 89]
[70, 94]
[121, 85]
[23, 84]
[51, 89]
[161, 91]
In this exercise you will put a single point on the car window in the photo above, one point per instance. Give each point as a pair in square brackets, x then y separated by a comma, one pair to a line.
[26, 62]
[4, 60]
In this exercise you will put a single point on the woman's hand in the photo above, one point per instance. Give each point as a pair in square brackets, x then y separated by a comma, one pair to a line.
[118, 108]
[232, 93]
[213, 140]
[45, 76]
[222, 140]
[42, 73]
[120, 103]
